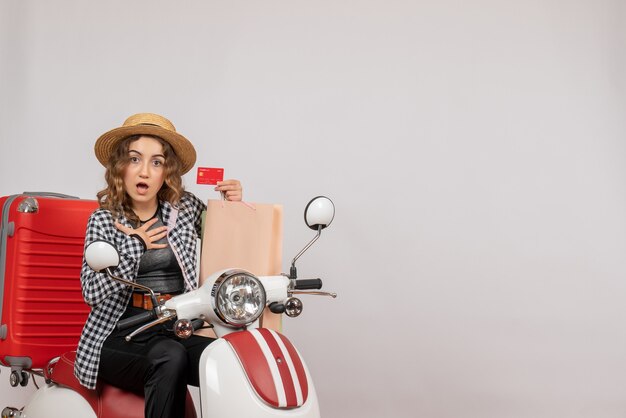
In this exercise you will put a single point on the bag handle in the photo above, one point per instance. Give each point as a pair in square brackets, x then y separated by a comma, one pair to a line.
[250, 205]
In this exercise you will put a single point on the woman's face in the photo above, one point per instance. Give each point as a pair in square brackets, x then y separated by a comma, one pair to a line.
[145, 172]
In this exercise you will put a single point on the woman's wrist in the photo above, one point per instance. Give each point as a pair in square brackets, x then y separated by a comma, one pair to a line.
[140, 239]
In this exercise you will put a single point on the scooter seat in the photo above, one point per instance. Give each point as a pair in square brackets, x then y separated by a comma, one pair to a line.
[107, 401]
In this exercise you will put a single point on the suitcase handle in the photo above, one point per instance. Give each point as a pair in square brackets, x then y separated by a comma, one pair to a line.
[51, 194]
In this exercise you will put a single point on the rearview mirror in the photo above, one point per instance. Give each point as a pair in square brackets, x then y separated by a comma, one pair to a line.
[101, 255]
[319, 213]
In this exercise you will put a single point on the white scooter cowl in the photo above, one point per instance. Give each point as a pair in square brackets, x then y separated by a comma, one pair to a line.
[200, 303]
[225, 391]
[52, 401]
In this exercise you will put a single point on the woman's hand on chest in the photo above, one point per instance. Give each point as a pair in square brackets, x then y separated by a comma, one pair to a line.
[148, 236]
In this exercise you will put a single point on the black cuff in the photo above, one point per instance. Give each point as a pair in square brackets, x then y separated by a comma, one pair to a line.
[138, 237]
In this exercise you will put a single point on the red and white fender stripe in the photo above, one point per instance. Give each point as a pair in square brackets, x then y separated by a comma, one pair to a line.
[292, 368]
[280, 379]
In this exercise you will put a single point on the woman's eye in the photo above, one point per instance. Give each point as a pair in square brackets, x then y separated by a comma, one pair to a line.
[157, 163]
[134, 159]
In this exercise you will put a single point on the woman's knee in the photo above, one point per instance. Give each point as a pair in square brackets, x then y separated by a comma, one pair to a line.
[168, 359]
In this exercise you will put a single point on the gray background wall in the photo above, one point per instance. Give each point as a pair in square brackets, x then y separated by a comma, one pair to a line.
[474, 150]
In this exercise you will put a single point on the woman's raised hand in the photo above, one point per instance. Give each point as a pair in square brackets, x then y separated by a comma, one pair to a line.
[231, 189]
[150, 237]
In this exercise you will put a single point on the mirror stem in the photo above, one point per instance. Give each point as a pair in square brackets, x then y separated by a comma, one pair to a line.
[293, 274]
[133, 284]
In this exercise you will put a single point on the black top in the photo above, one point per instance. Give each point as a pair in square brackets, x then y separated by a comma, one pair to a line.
[158, 268]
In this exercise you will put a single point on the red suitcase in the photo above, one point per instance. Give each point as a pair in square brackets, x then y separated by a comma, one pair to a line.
[41, 305]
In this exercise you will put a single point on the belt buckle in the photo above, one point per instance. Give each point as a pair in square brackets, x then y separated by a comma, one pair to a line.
[161, 299]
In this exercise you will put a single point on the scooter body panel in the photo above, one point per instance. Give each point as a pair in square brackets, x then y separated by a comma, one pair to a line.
[226, 391]
[52, 401]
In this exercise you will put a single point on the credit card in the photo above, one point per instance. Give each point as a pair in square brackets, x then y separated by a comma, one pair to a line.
[208, 175]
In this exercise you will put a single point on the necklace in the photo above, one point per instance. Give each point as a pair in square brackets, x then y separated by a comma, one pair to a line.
[153, 216]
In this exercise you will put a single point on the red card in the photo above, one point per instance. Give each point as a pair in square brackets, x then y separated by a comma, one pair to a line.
[208, 175]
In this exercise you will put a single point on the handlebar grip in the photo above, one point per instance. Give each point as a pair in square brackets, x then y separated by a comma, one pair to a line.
[135, 320]
[277, 307]
[308, 284]
[197, 324]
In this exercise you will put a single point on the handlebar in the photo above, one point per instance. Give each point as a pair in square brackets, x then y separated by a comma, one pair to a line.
[308, 284]
[300, 286]
[136, 320]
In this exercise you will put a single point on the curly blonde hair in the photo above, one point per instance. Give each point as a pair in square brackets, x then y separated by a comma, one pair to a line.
[114, 197]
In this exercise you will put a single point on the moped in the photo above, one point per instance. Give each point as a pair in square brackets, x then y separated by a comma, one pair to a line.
[247, 372]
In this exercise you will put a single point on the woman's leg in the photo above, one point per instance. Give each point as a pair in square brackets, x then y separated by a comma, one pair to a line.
[156, 367]
[195, 345]
[166, 383]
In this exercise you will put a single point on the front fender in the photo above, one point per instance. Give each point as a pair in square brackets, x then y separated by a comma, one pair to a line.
[227, 391]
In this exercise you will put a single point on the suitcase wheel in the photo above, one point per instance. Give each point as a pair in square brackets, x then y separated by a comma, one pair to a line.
[18, 378]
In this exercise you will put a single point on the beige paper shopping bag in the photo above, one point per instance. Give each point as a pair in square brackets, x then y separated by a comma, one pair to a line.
[243, 235]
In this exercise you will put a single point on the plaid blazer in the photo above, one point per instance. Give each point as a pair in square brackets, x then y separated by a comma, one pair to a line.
[108, 299]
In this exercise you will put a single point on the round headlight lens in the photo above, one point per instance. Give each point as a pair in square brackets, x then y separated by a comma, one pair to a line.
[240, 298]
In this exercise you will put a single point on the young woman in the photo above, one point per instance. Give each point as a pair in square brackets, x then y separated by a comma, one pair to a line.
[145, 212]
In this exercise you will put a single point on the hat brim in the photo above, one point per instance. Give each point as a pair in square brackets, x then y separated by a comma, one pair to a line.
[182, 146]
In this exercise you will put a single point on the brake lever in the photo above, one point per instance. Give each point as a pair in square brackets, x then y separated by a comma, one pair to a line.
[167, 315]
[311, 292]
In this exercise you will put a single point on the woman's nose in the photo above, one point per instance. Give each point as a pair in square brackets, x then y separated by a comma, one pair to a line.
[144, 171]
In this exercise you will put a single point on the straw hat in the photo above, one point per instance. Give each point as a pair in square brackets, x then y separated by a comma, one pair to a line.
[147, 124]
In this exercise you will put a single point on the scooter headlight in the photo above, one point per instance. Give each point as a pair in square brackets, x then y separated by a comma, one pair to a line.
[239, 297]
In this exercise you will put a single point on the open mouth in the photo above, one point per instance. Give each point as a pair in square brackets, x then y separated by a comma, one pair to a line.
[142, 188]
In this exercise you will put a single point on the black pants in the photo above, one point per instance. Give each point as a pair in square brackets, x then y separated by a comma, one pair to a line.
[155, 364]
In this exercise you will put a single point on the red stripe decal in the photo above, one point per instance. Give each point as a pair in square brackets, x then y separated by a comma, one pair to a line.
[254, 364]
[297, 363]
[283, 368]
